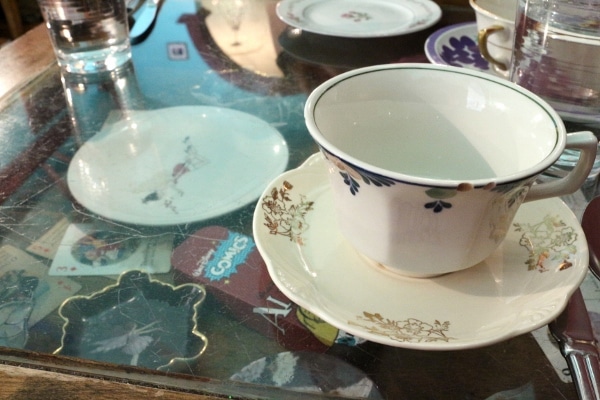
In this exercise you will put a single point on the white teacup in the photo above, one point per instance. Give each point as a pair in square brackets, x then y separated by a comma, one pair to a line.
[496, 29]
[429, 164]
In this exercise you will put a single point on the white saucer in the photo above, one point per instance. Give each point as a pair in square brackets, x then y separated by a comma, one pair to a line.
[359, 18]
[456, 45]
[311, 263]
[176, 165]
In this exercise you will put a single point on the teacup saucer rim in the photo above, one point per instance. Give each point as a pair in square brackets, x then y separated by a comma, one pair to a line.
[304, 286]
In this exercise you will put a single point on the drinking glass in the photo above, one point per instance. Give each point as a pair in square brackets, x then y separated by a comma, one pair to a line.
[88, 36]
[557, 56]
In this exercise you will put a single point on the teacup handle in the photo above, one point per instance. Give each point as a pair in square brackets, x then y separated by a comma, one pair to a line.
[587, 143]
[482, 42]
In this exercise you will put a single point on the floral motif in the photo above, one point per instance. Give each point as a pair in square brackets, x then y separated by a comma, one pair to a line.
[165, 190]
[463, 51]
[293, 17]
[356, 16]
[353, 175]
[550, 242]
[409, 330]
[351, 182]
[438, 205]
[282, 216]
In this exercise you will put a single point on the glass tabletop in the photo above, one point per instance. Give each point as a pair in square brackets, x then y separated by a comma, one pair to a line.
[126, 223]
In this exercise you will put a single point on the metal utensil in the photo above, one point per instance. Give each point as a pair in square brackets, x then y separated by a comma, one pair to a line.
[575, 336]
[573, 328]
[591, 226]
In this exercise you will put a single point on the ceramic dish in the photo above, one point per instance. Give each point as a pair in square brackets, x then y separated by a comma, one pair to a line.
[348, 53]
[456, 45]
[521, 287]
[176, 165]
[137, 321]
[359, 18]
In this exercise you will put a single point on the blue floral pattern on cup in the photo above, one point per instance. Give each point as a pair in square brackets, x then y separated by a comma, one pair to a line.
[441, 196]
[352, 176]
[366, 177]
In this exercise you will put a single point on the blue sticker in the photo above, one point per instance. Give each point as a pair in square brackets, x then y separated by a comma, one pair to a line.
[230, 253]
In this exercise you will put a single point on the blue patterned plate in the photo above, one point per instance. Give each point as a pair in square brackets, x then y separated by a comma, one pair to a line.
[456, 45]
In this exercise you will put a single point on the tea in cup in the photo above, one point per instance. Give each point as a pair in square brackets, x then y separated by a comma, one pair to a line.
[428, 164]
[495, 31]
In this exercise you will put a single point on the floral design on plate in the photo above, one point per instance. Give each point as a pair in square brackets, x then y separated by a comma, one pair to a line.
[167, 189]
[456, 45]
[550, 243]
[359, 18]
[329, 279]
[408, 330]
[462, 51]
[284, 217]
[356, 16]
[178, 165]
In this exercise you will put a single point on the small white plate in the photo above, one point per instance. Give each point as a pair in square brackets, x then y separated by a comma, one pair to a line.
[359, 18]
[456, 45]
[524, 285]
[176, 165]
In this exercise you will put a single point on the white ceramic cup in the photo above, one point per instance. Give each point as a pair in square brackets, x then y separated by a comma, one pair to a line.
[428, 164]
[495, 31]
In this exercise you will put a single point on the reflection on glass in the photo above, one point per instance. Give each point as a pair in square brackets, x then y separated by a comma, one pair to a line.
[115, 92]
[233, 12]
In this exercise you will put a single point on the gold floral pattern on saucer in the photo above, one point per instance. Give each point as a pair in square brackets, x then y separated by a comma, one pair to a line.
[551, 243]
[407, 330]
[284, 217]
[295, 230]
